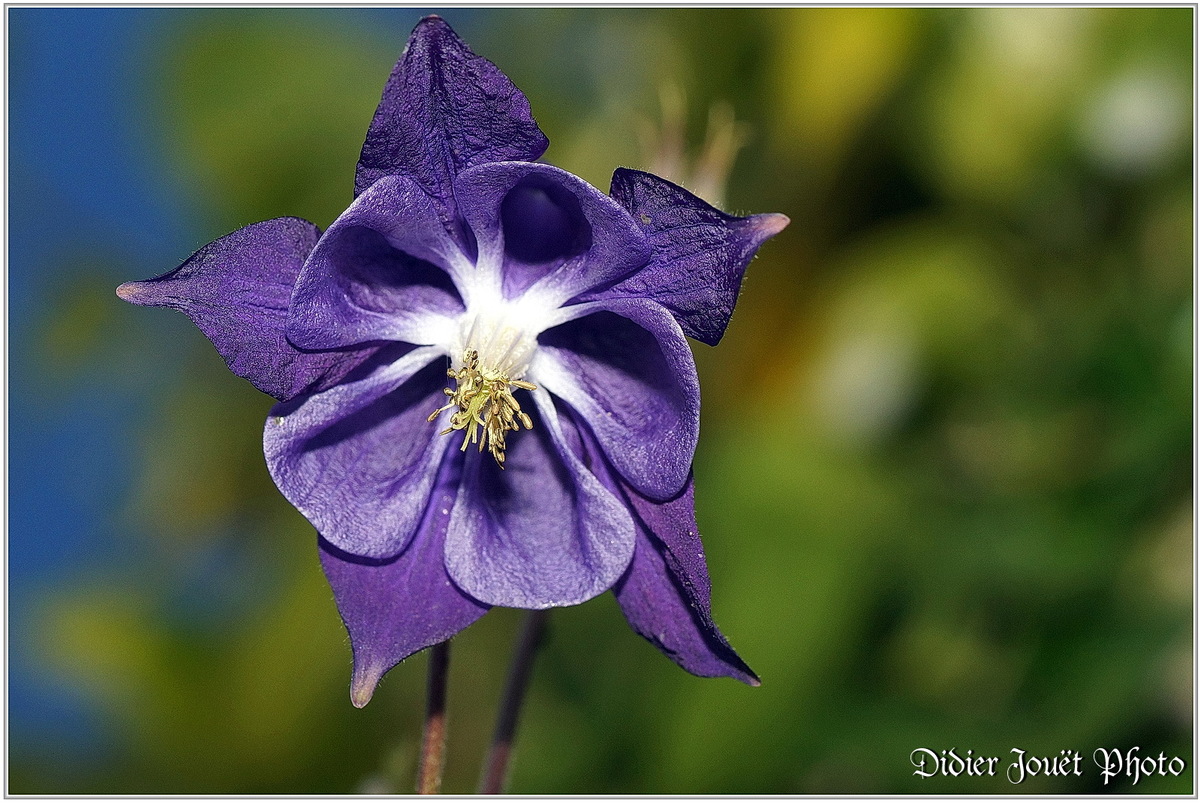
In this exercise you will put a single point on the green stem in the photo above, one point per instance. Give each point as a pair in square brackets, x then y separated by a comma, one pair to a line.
[433, 742]
[495, 768]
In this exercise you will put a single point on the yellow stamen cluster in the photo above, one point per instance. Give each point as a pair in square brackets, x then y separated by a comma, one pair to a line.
[485, 402]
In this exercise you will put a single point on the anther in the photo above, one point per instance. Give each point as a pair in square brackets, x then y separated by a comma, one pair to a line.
[484, 401]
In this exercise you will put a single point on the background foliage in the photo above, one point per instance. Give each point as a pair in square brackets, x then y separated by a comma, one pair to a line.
[945, 476]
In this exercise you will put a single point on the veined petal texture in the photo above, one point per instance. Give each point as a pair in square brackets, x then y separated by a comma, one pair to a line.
[666, 594]
[237, 290]
[542, 532]
[445, 109]
[700, 253]
[359, 460]
[550, 233]
[384, 270]
[626, 368]
[394, 607]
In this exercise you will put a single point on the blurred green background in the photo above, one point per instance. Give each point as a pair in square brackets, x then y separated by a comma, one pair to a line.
[945, 471]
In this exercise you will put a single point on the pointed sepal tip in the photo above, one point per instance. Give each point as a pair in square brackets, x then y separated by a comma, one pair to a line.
[771, 223]
[362, 687]
[129, 292]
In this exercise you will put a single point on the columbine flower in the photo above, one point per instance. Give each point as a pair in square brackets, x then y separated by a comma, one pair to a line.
[486, 396]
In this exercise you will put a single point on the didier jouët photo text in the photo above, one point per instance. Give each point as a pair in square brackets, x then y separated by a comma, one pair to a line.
[1112, 764]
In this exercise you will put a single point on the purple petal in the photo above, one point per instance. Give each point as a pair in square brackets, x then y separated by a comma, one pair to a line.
[666, 593]
[381, 272]
[395, 607]
[236, 290]
[626, 369]
[700, 253]
[543, 531]
[443, 110]
[359, 460]
[543, 226]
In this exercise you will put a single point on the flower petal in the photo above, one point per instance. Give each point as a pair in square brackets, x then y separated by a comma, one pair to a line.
[359, 460]
[539, 225]
[445, 109]
[666, 594]
[383, 271]
[393, 608]
[626, 368]
[700, 253]
[543, 531]
[236, 290]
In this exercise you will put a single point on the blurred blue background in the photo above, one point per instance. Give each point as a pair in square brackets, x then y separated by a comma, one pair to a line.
[945, 475]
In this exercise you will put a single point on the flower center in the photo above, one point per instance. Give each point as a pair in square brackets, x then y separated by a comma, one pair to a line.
[486, 410]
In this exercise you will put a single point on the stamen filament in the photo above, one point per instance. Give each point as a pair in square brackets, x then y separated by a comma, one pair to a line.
[485, 409]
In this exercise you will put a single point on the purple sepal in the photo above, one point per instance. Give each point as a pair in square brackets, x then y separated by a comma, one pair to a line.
[394, 608]
[445, 109]
[237, 290]
[700, 253]
[665, 595]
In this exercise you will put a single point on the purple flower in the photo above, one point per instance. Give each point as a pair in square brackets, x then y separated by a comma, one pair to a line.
[485, 392]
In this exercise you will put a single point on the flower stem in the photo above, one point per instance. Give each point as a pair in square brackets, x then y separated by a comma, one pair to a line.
[495, 768]
[433, 742]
